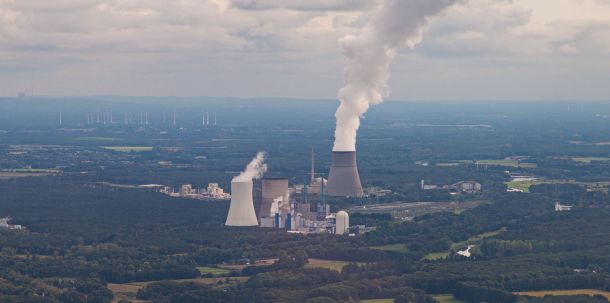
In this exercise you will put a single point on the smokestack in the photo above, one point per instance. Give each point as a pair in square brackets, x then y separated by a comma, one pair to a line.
[343, 179]
[241, 211]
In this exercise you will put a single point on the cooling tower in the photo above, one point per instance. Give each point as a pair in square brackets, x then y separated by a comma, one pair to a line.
[271, 190]
[343, 179]
[342, 226]
[241, 211]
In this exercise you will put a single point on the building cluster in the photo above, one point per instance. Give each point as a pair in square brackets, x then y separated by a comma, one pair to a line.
[213, 191]
[279, 206]
[5, 224]
[467, 187]
[560, 207]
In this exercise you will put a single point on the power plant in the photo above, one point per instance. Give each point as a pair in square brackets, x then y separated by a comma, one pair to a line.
[241, 211]
[274, 192]
[343, 178]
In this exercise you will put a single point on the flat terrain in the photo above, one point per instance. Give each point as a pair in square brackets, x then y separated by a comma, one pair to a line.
[329, 264]
[447, 299]
[572, 292]
[213, 270]
[127, 149]
[378, 301]
[128, 291]
[392, 247]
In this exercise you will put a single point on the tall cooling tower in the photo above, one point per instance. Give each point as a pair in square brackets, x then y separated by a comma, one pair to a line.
[271, 190]
[343, 179]
[241, 211]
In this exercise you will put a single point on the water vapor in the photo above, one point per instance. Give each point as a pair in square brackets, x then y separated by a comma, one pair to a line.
[255, 169]
[368, 55]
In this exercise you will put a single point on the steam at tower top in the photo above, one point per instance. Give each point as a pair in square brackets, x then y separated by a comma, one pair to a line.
[368, 56]
[255, 169]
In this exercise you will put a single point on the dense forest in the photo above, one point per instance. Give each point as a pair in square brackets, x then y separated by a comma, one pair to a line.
[87, 242]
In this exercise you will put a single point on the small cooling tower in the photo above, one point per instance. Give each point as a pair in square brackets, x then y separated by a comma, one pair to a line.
[343, 179]
[342, 226]
[241, 211]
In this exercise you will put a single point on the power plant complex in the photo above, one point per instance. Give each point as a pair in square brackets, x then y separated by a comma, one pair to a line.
[279, 208]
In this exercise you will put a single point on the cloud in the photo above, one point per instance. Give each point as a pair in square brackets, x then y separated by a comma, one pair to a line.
[278, 47]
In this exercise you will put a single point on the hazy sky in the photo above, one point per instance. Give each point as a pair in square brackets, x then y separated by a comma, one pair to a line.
[481, 49]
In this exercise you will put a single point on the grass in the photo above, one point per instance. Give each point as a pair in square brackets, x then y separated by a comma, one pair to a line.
[401, 248]
[572, 292]
[523, 185]
[377, 301]
[588, 160]
[328, 264]
[97, 139]
[127, 149]
[436, 256]
[458, 245]
[128, 291]
[213, 270]
[446, 299]
[499, 162]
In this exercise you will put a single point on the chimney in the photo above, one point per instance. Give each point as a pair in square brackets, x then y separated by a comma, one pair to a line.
[343, 179]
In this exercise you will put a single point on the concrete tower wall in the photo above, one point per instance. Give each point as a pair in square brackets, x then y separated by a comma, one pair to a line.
[272, 189]
[343, 179]
[241, 211]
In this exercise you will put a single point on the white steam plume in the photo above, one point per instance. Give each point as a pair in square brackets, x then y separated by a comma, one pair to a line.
[368, 56]
[255, 169]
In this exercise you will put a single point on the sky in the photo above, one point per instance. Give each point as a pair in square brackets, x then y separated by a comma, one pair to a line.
[475, 50]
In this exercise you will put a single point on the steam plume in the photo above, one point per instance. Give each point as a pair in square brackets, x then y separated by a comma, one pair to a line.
[368, 56]
[255, 169]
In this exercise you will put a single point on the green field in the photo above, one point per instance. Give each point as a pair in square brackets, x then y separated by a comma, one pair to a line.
[572, 292]
[436, 256]
[213, 270]
[97, 139]
[588, 160]
[392, 247]
[127, 149]
[523, 185]
[328, 264]
[499, 162]
[446, 299]
[458, 245]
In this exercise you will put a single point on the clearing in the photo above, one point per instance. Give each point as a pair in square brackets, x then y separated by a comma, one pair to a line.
[571, 292]
[401, 248]
[127, 149]
[446, 299]
[329, 264]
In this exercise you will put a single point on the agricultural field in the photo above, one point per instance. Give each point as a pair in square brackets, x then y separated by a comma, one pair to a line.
[458, 245]
[492, 162]
[573, 292]
[128, 149]
[588, 160]
[446, 299]
[328, 264]
[401, 248]
[128, 291]
[436, 256]
[213, 271]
